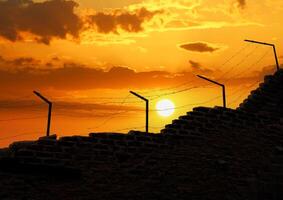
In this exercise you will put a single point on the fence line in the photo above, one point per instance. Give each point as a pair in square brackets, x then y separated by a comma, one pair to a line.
[238, 64]
[153, 97]
[251, 66]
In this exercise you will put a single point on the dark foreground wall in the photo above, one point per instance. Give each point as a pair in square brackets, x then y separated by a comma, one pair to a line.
[210, 153]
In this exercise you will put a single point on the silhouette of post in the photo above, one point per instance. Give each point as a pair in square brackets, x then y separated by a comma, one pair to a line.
[49, 110]
[146, 110]
[267, 44]
[222, 85]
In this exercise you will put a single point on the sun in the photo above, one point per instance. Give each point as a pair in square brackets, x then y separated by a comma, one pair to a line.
[165, 107]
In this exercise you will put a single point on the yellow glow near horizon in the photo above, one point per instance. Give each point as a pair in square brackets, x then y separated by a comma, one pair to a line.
[165, 108]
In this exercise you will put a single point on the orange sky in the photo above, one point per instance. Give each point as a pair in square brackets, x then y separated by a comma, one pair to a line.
[86, 55]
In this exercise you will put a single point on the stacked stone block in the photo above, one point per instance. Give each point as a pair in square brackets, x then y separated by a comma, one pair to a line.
[267, 98]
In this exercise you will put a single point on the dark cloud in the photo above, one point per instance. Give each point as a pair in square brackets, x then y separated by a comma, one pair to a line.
[194, 65]
[23, 61]
[56, 19]
[46, 20]
[197, 68]
[127, 21]
[199, 47]
[19, 62]
[22, 74]
[242, 3]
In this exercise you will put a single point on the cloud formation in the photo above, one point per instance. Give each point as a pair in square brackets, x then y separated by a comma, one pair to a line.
[19, 62]
[45, 20]
[28, 74]
[194, 65]
[25, 73]
[201, 47]
[124, 20]
[197, 68]
[68, 108]
[242, 3]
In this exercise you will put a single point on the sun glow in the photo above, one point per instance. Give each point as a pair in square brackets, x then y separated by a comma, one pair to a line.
[165, 107]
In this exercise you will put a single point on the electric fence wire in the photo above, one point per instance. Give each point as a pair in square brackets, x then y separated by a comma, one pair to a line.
[169, 88]
[161, 89]
[187, 105]
[238, 64]
[113, 115]
[156, 96]
[153, 97]
[129, 128]
[242, 73]
[223, 64]
[244, 92]
[251, 67]
[233, 56]
[150, 97]
[219, 68]
[154, 110]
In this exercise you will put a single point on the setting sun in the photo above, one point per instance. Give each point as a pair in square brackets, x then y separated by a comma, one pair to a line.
[165, 107]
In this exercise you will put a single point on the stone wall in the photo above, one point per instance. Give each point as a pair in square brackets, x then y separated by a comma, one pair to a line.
[267, 98]
[210, 153]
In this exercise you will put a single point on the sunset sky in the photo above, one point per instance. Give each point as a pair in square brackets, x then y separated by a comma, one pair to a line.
[86, 56]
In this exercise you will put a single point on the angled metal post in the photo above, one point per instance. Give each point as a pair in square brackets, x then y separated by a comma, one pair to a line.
[146, 110]
[267, 44]
[49, 110]
[222, 85]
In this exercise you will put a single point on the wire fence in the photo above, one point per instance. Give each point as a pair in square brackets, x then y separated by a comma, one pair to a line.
[231, 73]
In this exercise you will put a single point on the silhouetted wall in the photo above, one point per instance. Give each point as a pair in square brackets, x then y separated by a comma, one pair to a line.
[267, 98]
